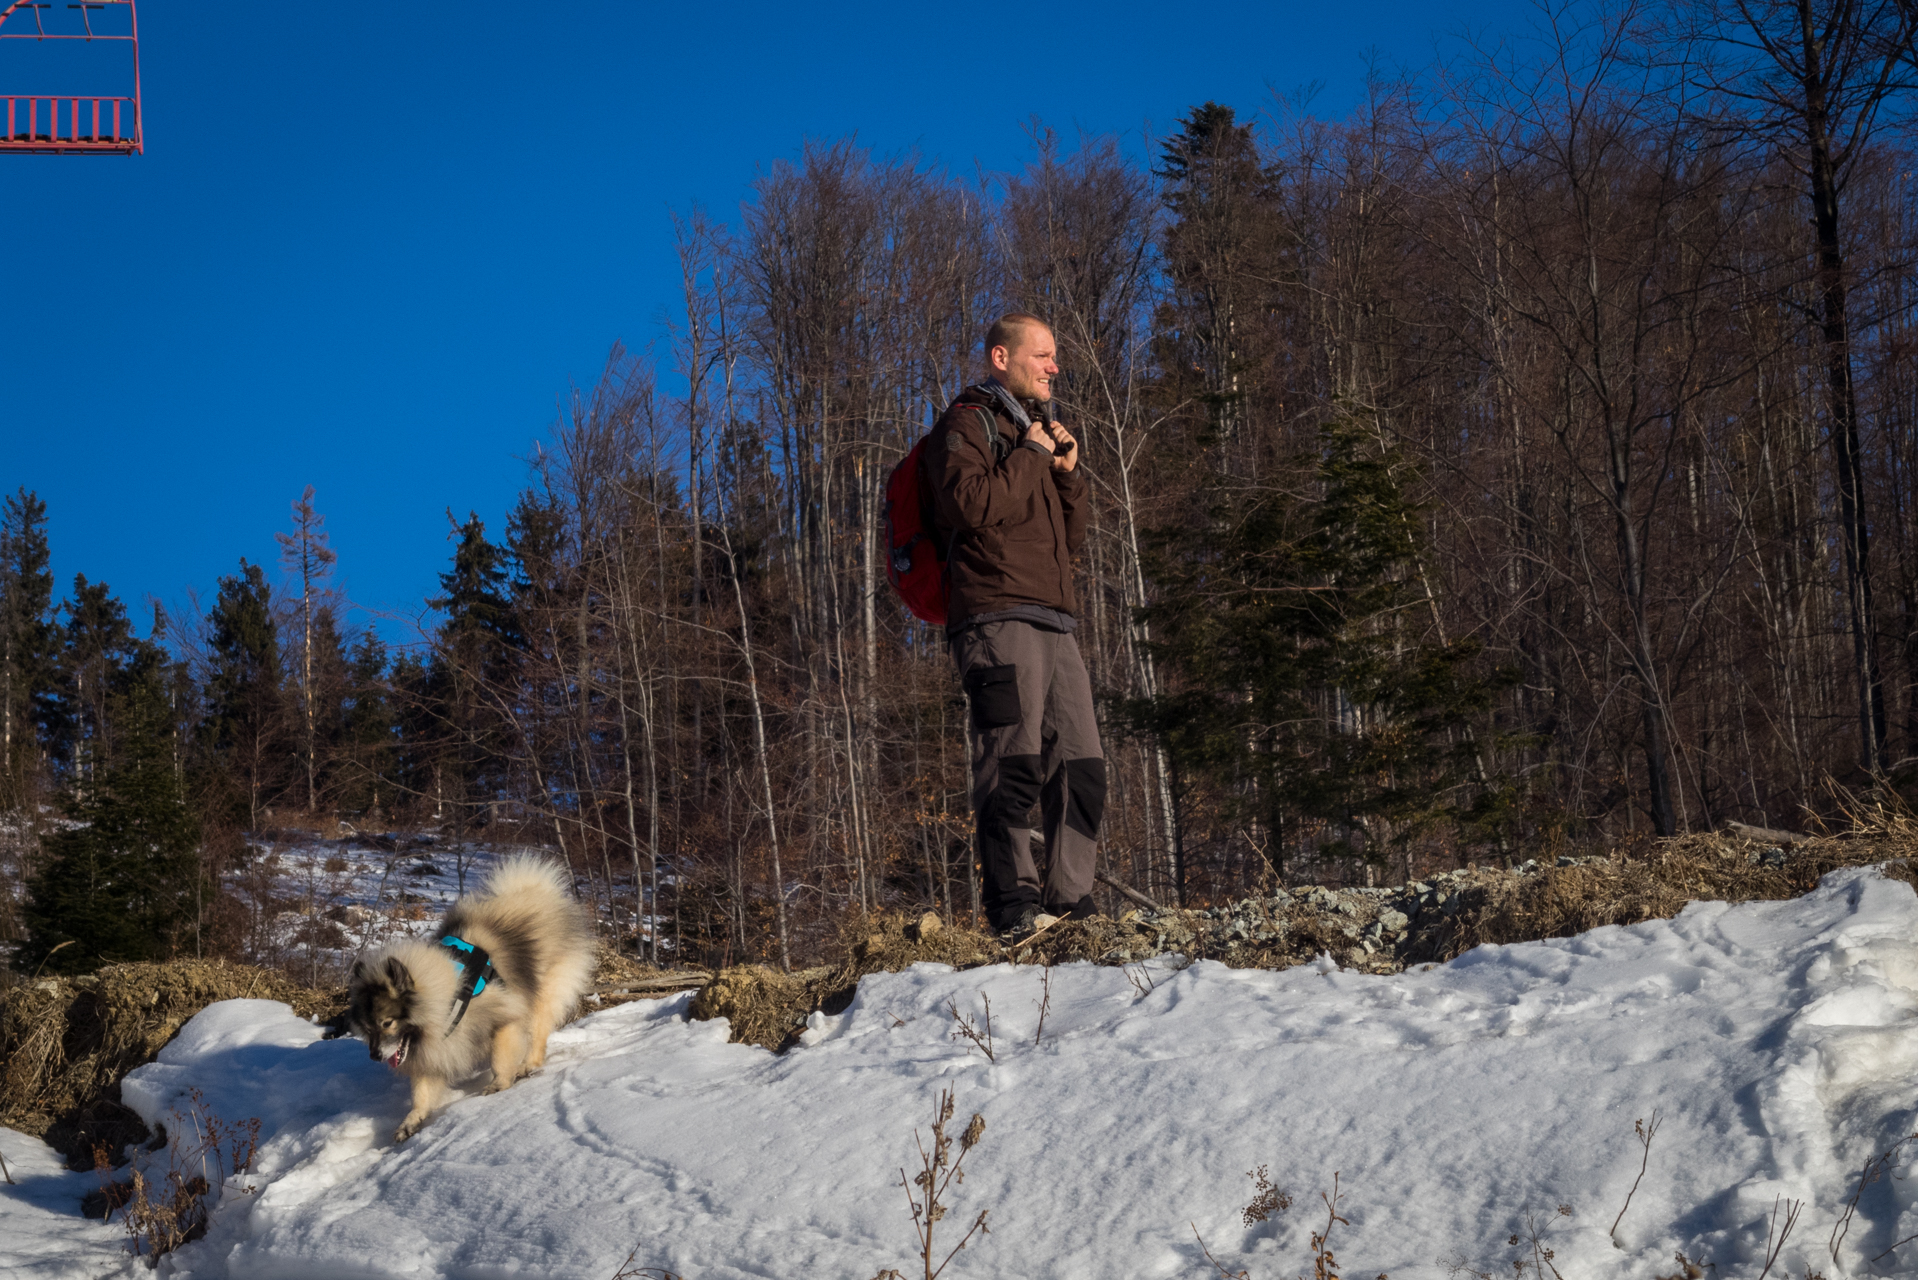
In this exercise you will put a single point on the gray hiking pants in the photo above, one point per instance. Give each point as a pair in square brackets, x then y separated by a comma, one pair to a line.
[1035, 740]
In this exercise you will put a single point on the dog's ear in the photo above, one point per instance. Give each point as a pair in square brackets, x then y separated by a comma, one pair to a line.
[398, 976]
[359, 974]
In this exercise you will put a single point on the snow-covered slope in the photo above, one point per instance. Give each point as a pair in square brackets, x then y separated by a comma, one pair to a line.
[1777, 1040]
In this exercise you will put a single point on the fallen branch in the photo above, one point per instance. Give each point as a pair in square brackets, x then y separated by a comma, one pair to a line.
[658, 982]
[1125, 890]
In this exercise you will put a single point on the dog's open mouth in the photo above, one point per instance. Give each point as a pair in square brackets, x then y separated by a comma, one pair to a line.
[398, 1055]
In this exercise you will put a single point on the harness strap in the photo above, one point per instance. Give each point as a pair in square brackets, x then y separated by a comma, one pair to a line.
[476, 973]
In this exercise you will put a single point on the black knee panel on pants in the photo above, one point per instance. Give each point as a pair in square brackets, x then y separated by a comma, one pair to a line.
[1005, 807]
[1086, 795]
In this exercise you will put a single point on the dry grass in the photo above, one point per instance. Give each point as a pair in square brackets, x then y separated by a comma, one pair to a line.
[765, 1007]
[66, 1042]
[770, 1008]
[1558, 902]
[1494, 905]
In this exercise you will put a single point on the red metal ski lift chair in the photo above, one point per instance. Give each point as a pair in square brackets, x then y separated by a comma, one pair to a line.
[66, 123]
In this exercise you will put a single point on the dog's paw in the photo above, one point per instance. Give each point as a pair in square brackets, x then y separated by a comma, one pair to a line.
[529, 1073]
[494, 1087]
[410, 1126]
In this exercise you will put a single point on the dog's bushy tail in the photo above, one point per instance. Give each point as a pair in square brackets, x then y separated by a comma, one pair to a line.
[527, 877]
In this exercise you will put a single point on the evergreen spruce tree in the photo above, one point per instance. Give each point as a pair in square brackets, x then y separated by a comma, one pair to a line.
[29, 641]
[246, 722]
[1222, 247]
[329, 697]
[482, 626]
[97, 646]
[1302, 684]
[119, 884]
[479, 650]
[415, 687]
[366, 730]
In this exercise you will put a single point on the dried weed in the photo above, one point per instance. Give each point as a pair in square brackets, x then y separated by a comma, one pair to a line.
[1645, 1132]
[979, 1033]
[939, 1171]
[1270, 1200]
[627, 1271]
[162, 1211]
[1267, 1201]
[1784, 1216]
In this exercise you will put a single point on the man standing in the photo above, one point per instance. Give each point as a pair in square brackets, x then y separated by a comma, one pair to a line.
[1010, 507]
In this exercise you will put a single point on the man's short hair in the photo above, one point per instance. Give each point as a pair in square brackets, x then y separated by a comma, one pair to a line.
[1009, 329]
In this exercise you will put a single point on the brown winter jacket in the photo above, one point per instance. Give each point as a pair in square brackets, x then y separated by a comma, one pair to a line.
[1017, 521]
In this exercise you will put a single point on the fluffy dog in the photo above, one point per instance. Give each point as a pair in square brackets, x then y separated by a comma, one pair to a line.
[507, 966]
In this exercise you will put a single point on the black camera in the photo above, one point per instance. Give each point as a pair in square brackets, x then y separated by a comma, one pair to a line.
[1047, 411]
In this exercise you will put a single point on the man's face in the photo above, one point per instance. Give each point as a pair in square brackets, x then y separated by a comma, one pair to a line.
[1026, 368]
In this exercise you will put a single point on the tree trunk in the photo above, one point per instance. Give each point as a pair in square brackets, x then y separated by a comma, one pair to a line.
[1834, 331]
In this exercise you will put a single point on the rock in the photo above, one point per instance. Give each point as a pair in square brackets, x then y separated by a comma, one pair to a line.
[1394, 921]
[924, 927]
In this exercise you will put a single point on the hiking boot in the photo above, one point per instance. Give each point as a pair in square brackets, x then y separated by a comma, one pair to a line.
[1028, 920]
[1084, 909]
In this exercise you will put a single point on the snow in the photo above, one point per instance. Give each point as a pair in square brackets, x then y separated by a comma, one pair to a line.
[325, 902]
[1776, 1041]
[42, 1235]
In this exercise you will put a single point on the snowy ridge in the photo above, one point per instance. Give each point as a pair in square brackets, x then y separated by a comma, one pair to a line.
[1776, 1038]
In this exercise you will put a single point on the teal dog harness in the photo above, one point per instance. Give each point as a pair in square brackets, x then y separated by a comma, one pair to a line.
[476, 973]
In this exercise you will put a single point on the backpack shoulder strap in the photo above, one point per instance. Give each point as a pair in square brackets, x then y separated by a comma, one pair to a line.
[992, 430]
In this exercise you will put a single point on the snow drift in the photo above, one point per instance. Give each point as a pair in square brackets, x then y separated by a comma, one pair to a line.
[1776, 1039]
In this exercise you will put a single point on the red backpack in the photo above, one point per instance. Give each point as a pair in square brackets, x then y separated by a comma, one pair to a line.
[915, 560]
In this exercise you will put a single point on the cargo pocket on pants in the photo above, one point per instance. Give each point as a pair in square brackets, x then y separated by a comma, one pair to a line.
[994, 695]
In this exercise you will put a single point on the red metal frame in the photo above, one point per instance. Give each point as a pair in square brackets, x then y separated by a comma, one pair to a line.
[70, 124]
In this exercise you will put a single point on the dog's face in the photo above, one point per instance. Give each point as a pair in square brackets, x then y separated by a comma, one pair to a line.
[381, 1003]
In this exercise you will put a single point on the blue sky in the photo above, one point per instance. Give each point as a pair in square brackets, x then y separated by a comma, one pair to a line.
[369, 247]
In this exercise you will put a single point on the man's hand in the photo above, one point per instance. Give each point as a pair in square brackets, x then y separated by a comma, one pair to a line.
[1036, 434]
[1065, 453]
